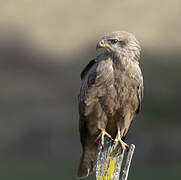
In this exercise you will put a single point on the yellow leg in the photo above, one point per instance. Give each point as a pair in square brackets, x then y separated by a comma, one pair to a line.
[101, 136]
[118, 139]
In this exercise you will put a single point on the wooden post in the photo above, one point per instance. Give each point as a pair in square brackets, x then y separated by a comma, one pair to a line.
[128, 162]
[110, 160]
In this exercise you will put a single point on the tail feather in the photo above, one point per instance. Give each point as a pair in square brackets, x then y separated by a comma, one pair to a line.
[87, 163]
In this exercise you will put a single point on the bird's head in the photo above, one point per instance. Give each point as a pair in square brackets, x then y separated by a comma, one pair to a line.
[120, 43]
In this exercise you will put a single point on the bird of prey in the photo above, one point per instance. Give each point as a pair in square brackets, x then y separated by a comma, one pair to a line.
[110, 95]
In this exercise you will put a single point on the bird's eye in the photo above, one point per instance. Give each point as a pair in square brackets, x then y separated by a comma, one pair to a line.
[114, 41]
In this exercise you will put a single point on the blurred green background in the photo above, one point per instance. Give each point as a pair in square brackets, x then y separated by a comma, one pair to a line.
[44, 44]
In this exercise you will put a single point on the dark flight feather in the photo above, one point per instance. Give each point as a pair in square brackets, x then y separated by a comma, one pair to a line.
[86, 69]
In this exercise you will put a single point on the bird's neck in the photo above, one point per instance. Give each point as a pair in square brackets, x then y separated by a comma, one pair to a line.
[121, 62]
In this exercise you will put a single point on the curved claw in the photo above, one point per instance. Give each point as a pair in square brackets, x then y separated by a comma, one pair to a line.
[122, 143]
[101, 136]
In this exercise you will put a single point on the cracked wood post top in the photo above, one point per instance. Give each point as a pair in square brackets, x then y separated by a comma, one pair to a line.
[110, 160]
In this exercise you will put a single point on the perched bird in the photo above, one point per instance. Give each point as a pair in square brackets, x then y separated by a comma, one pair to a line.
[110, 95]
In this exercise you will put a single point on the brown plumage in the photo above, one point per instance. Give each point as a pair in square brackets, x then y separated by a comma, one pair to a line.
[110, 95]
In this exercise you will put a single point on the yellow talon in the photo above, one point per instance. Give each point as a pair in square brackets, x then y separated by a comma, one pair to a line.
[101, 136]
[122, 143]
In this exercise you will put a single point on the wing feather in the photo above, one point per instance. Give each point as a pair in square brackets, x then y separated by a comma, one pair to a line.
[95, 77]
[140, 96]
[140, 87]
[87, 68]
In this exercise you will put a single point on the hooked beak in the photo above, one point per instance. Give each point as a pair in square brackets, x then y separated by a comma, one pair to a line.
[102, 44]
